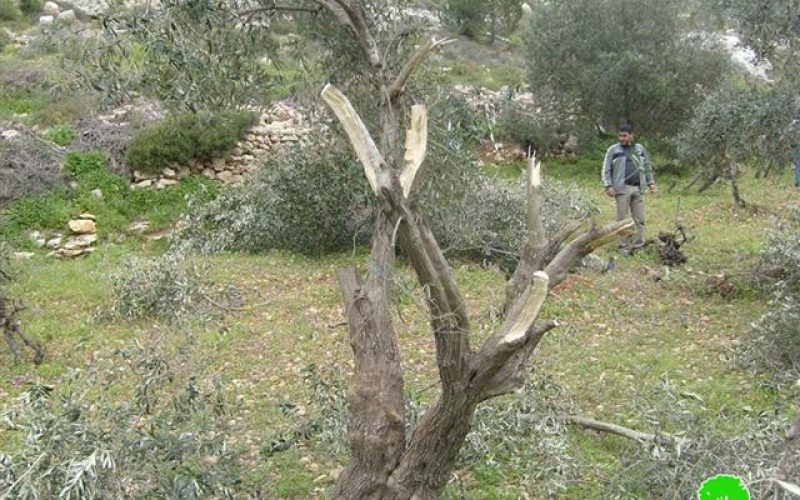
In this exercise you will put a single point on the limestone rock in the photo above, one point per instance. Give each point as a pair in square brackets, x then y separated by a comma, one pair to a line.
[10, 134]
[82, 241]
[169, 173]
[51, 9]
[77, 252]
[162, 183]
[218, 164]
[87, 216]
[208, 173]
[97, 194]
[45, 21]
[82, 226]
[225, 176]
[140, 176]
[144, 184]
[67, 17]
[23, 255]
[140, 226]
[54, 242]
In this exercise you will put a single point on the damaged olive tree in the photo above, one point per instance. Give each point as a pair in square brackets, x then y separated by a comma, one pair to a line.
[384, 464]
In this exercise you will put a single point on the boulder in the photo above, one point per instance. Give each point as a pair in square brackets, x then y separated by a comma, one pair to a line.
[67, 17]
[218, 164]
[82, 226]
[225, 176]
[46, 21]
[169, 173]
[51, 9]
[209, 173]
[97, 194]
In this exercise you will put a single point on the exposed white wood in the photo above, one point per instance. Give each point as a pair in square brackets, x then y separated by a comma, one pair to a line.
[523, 318]
[416, 147]
[366, 150]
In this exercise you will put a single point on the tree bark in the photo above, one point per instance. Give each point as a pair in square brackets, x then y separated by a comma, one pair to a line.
[708, 182]
[733, 174]
[376, 427]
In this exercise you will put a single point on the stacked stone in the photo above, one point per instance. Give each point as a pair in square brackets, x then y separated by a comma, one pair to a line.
[278, 126]
[52, 14]
[79, 240]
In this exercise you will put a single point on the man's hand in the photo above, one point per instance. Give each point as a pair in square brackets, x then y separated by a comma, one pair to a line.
[652, 188]
[610, 191]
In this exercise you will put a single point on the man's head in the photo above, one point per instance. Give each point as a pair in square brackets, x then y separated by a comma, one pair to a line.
[625, 135]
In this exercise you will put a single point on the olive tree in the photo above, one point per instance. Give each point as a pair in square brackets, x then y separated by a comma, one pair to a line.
[642, 62]
[749, 122]
[384, 463]
[374, 50]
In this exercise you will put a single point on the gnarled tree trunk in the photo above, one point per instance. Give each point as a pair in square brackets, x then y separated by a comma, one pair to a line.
[383, 465]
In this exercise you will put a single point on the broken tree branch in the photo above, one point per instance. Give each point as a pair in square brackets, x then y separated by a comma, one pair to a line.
[366, 150]
[642, 437]
[416, 147]
[398, 86]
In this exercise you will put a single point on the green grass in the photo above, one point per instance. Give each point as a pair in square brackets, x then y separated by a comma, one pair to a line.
[118, 207]
[621, 332]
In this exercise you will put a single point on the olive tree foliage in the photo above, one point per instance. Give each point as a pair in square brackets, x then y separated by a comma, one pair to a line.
[191, 55]
[771, 28]
[642, 62]
[481, 18]
[746, 122]
[741, 125]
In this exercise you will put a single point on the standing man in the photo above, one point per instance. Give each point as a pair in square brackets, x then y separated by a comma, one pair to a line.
[796, 155]
[626, 174]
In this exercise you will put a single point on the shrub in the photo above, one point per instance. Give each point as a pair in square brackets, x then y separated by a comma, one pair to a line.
[62, 135]
[515, 126]
[9, 10]
[467, 17]
[310, 201]
[169, 436]
[30, 7]
[28, 167]
[169, 287]
[473, 18]
[190, 136]
[778, 331]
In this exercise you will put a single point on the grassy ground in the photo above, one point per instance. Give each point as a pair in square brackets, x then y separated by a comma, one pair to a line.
[621, 334]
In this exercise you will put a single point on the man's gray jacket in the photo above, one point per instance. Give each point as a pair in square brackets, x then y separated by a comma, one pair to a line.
[614, 167]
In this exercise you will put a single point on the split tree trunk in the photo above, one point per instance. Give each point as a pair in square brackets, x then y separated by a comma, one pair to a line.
[383, 465]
